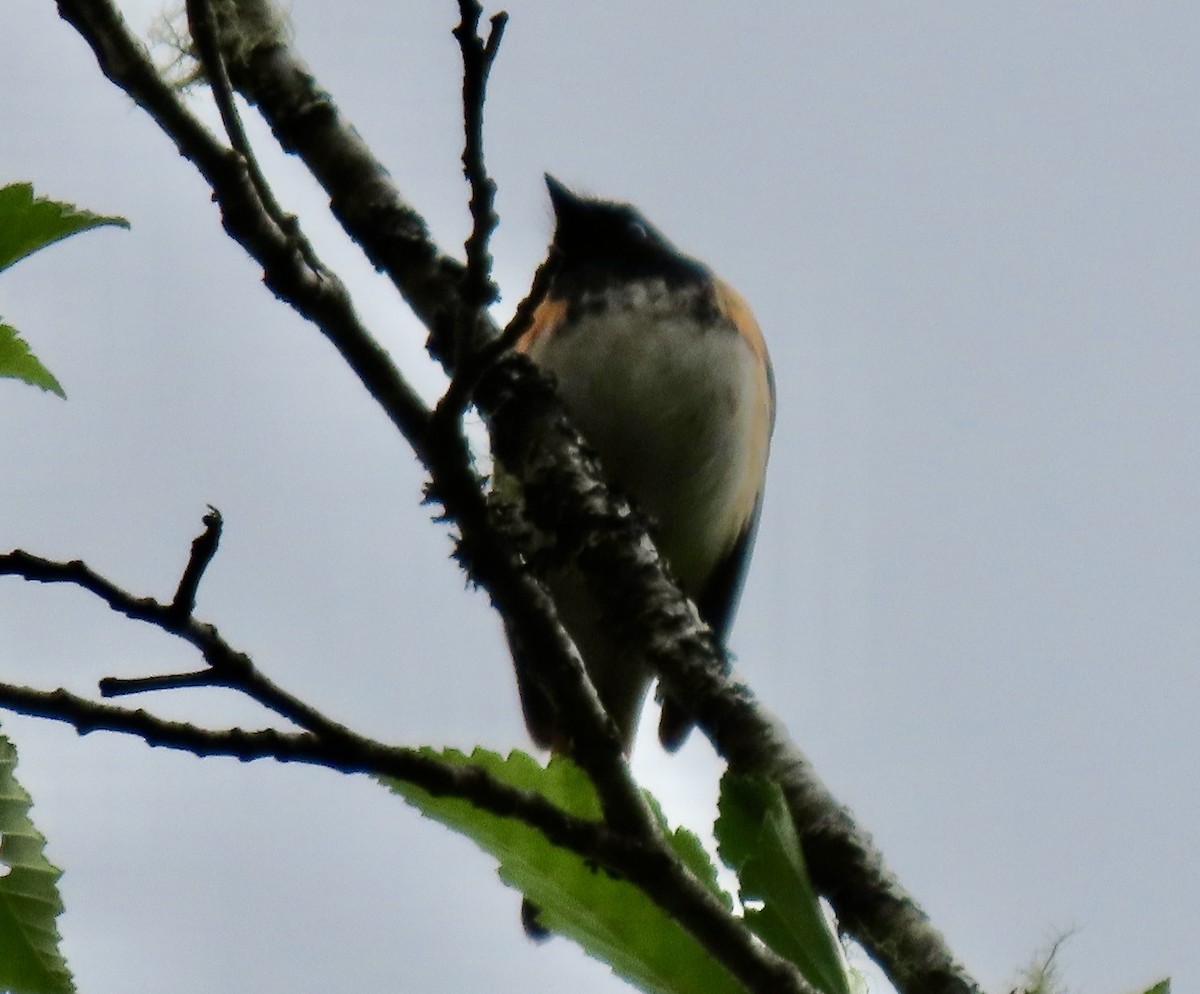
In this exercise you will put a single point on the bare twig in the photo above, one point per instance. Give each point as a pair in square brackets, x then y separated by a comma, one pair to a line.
[115, 686]
[355, 755]
[325, 743]
[202, 22]
[467, 375]
[596, 746]
[204, 547]
[228, 667]
[316, 294]
[362, 195]
[478, 55]
[679, 894]
[470, 330]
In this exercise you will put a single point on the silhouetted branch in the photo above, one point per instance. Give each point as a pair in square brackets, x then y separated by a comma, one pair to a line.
[565, 495]
[204, 547]
[364, 198]
[227, 667]
[312, 290]
[358, 754]
[478, 56]
[121, 686]
[596, 746]
[640, 857]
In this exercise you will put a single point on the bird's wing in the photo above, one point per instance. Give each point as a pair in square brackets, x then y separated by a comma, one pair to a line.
[717, 605]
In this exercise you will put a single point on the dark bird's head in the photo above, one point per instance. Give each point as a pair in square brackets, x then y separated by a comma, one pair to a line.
[599, 237]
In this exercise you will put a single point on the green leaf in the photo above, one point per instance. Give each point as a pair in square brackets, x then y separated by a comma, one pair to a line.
[756, 838]
[1162, 987]
[28, 223]
[18, 362]
[30, 962]
[611, 919]
[691, 853]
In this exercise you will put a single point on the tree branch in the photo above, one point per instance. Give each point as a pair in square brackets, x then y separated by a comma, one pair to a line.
[591, 840]
[679, 894]
[270, 74]
[526, 425]
[227, 667]
[478, 55]
[596, 746]
[641, 858]
[313, 291]
[626, 576]
[204, 547]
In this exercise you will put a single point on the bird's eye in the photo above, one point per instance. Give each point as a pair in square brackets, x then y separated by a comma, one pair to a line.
[639, 231]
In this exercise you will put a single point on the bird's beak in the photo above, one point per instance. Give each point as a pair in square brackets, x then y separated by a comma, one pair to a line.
[564, 200]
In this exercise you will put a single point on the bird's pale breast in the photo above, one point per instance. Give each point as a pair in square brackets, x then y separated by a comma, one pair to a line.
[675, 400]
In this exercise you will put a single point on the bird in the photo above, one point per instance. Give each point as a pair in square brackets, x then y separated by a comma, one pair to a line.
[661, 366]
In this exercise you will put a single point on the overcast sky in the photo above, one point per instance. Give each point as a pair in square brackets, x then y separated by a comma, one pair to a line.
[970, 235]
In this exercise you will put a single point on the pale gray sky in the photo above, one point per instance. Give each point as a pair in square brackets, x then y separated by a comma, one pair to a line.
[970, 235]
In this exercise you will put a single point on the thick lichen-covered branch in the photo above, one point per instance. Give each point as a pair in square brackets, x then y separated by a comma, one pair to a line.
[528, 430]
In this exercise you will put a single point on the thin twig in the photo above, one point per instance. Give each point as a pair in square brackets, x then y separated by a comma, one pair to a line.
[363, 196]
[469, 328]
[466, 377]
[357, 755]
[478, 56]
[114, 686]
[205, 32]
[228, 667]
[325, 743]
[287, 260]
[596, 744]
[204, 547]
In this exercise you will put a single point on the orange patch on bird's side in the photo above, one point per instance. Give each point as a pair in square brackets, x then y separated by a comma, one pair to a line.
[735, 307]
[547, 316]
